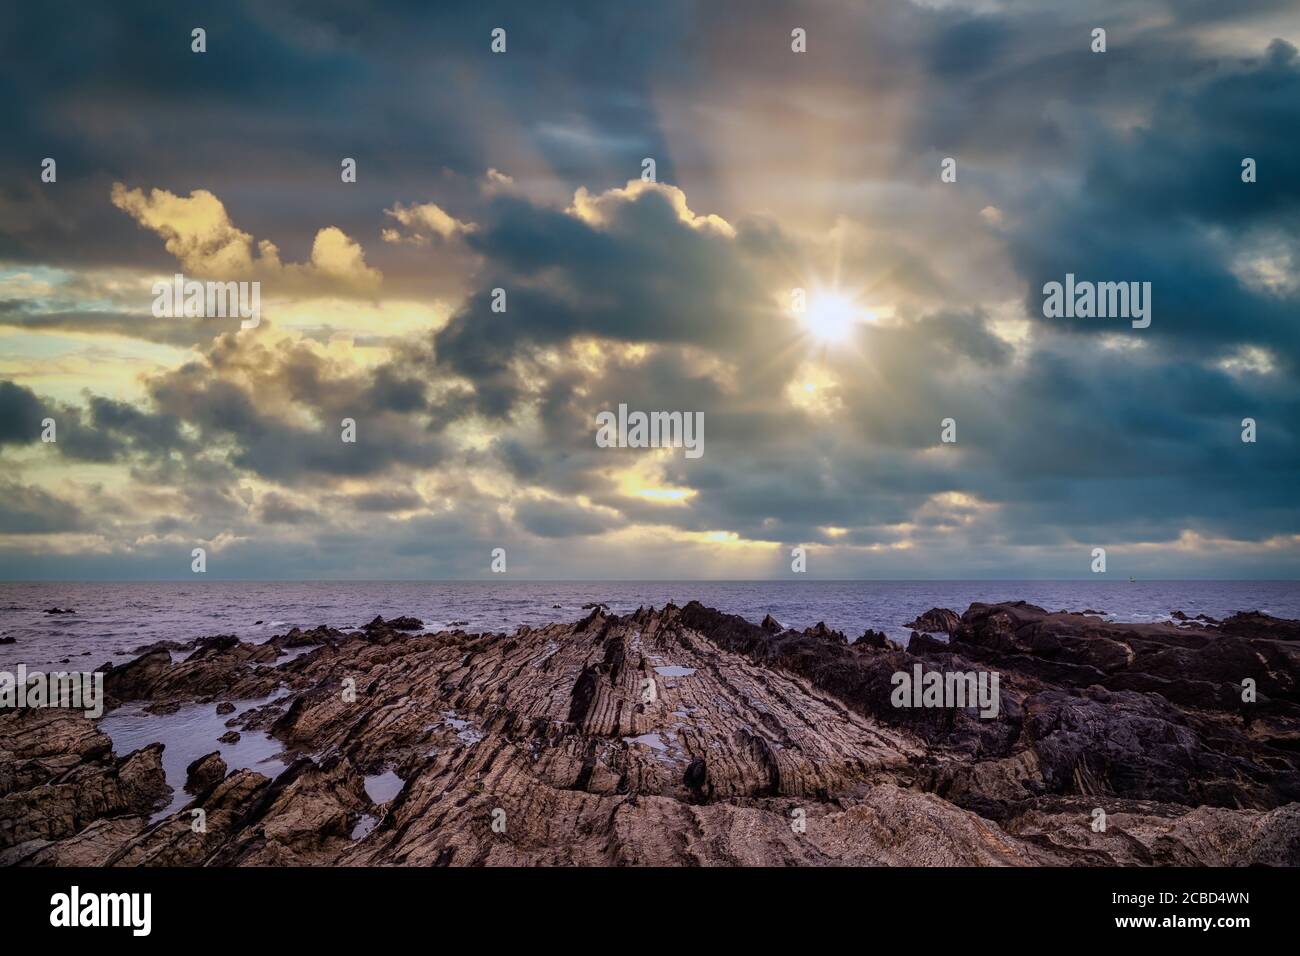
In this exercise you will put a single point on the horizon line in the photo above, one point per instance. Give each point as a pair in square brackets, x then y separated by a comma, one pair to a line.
[1118, 579]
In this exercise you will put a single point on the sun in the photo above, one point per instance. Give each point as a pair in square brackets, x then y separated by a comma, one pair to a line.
[832, 316]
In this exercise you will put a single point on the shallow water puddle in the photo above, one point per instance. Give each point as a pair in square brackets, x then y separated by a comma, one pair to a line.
[465, 731]
[382, 787]
[187, 735]
[672, 670]
[363, 827]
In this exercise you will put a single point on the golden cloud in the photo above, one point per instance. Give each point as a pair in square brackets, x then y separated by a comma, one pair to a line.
[198, 231]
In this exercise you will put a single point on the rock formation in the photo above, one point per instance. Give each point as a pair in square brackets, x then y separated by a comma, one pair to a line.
[205, 773]
[937, 620]
[686, 736]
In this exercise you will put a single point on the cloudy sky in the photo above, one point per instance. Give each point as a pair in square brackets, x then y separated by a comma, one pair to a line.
[775, 171]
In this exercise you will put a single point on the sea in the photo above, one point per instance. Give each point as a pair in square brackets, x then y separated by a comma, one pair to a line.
[113, 620]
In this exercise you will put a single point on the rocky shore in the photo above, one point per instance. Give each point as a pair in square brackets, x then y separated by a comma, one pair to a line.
[684, 736]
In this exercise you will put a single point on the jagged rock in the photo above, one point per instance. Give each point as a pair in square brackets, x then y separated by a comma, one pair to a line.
[205, 773]
[937, 620]
[164, 646]
[820, 630]
[60, 610]
[921, 644]
[230, 737]
[220, 666]
[750, 726]
[58, 775]
[225, 707]
[1257, 625]
[771, 625]
[873, 639]
[406, 624]
[403, 623]
[176, 842]
[320, 634]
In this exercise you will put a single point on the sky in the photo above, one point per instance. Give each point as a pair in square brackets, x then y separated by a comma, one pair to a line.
[775, 170]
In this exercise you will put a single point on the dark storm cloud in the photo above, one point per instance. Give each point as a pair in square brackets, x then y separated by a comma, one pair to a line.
[969, 46]
[250, 417]
[20, 414]
[152, 434]
[28, 510]
[1166, 204]
[557, 519]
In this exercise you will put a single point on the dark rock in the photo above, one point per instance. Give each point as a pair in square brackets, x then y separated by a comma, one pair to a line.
[225, 707]
[696, 779]
[218, 644]
[922, 644]
[163, 646]
[1142, 747]
[873, 639]
[134, 679]
[60, 610]
[406, 624]
[230, 737]
[771, 625]
[205, 773]
[320, 634]
[1257, 625]
[937, 620]
[820, 630]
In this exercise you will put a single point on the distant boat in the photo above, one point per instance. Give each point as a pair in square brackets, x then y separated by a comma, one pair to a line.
[1130, 580]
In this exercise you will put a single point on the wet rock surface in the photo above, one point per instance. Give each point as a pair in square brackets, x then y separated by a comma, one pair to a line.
[681, 736]
[935, 621]
[205, 773]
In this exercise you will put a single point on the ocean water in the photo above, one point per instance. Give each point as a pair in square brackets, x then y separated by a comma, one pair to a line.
[113, 619]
